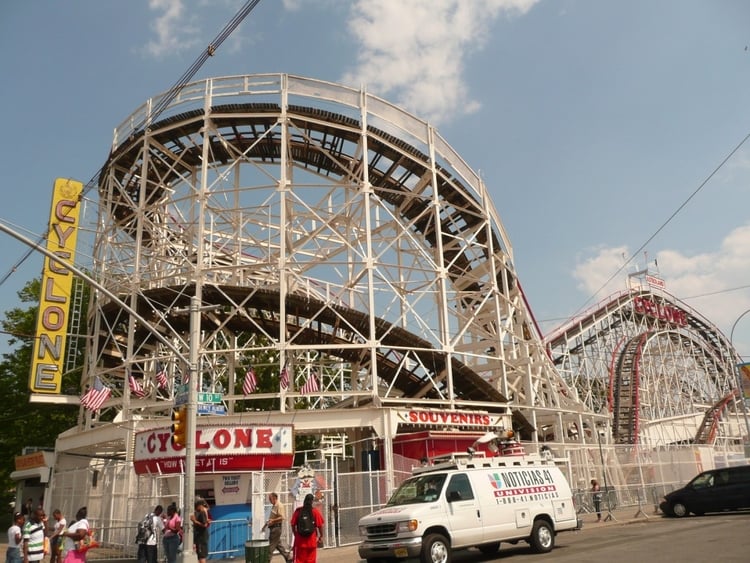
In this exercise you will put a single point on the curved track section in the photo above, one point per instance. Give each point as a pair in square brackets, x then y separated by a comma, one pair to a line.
[656, 365]
[323, 229]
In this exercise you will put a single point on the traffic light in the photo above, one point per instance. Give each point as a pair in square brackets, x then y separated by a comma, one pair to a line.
[179, 427]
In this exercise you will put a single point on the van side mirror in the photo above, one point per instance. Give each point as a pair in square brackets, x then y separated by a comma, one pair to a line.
[454, 496]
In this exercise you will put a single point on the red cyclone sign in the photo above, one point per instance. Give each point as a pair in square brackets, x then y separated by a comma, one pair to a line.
[217, 449]
[661, 311]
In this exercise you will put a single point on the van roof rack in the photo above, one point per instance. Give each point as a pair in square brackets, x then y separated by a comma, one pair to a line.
[462, 460]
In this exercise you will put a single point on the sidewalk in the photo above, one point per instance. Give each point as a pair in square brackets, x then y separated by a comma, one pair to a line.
[618, 517]
[349, 554]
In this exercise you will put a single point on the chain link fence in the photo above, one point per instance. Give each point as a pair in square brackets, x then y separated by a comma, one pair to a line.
[117, 498]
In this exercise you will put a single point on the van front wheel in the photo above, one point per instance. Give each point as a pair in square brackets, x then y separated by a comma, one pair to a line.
[435, 549]
[680, 510]
[542, 538]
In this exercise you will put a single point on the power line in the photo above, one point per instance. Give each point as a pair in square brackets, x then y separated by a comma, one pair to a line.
[163, 103]
[664, 224]
[717, 292]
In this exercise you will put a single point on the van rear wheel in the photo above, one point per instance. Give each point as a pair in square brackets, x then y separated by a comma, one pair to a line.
[542, 537]
[435, 549]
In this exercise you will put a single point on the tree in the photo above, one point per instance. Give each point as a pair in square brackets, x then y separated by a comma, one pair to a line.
[24, 423]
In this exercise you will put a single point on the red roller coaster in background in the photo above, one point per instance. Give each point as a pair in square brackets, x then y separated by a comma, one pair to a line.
[664, 372]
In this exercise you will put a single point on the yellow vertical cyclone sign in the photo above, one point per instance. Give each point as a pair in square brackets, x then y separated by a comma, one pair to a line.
[57, 283]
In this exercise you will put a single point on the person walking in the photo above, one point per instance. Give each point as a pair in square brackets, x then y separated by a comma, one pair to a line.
[307, 525]
[172, 529]
[76, 532]
[55, 538]
[15, 539]
[275, 519]
[28, 508]
[33, 535]
[596, 497]
[201, 522]
[147, 550]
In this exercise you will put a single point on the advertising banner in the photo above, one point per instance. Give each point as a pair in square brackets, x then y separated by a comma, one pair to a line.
[218, 449]
[231, 488]
[744, 380]
[57, 282]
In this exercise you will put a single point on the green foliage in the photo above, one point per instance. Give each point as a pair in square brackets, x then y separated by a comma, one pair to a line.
[24, 423]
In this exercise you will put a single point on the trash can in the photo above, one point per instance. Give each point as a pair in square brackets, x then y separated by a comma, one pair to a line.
[256, 551]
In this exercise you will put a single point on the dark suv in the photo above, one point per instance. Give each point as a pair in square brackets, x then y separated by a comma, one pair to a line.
[711, 491]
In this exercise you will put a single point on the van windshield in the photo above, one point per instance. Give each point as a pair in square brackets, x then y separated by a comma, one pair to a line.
[424, 488]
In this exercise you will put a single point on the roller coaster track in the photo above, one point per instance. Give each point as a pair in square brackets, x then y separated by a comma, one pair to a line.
[662, 359]
[317, 230]
[258, 141]
[261, 306]
[626, 407]
[710, 425]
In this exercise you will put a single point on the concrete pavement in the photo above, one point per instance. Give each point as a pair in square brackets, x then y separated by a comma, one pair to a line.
[617, 517]
[349, 554]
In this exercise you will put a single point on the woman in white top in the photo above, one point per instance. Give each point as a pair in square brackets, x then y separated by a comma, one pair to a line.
[78, 530]
[55, 538]
[15, 540]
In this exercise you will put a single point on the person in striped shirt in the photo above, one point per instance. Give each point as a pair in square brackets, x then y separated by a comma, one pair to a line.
[33, 536]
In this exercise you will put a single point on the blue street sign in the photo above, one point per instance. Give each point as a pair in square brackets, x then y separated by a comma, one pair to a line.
[208, 408]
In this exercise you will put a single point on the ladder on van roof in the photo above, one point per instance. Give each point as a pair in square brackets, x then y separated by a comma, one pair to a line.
[464, 461]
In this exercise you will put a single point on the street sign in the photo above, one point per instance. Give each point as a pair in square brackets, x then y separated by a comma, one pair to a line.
[180, 395]
[214, 398]
[207, 408]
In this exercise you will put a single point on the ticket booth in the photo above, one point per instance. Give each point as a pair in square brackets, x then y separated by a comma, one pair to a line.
[32, 476]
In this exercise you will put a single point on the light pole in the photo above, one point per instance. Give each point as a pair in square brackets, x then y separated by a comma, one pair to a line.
[188, 555]
[188, 485]
[91, 281]
[737, 358]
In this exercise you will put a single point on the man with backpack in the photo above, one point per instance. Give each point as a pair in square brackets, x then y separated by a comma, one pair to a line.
[147, 535]
[307, 525]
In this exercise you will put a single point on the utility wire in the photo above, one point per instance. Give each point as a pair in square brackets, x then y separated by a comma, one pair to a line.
[664, 224]
[163, 104]
[209, 51]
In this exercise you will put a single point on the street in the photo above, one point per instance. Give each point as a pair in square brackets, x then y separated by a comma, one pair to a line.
[626, 539]
[720, 537]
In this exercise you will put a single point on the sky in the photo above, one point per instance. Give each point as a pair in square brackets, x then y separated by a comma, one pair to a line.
[611, 135]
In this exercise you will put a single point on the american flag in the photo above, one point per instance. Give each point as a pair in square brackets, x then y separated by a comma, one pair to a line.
[284, 377]
[161, 376]
[251, 383]
[94, 398]
[311, 385]
[135, 387]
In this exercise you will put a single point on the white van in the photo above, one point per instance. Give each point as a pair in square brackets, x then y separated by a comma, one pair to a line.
[476, 502]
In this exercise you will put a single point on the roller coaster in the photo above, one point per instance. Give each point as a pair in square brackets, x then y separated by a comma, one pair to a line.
[661, 370]
[327, 230]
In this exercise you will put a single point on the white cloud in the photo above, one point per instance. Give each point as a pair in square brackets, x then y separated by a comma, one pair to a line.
[596, 275]
[173, 29]
[414, 50]
[715, 284]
